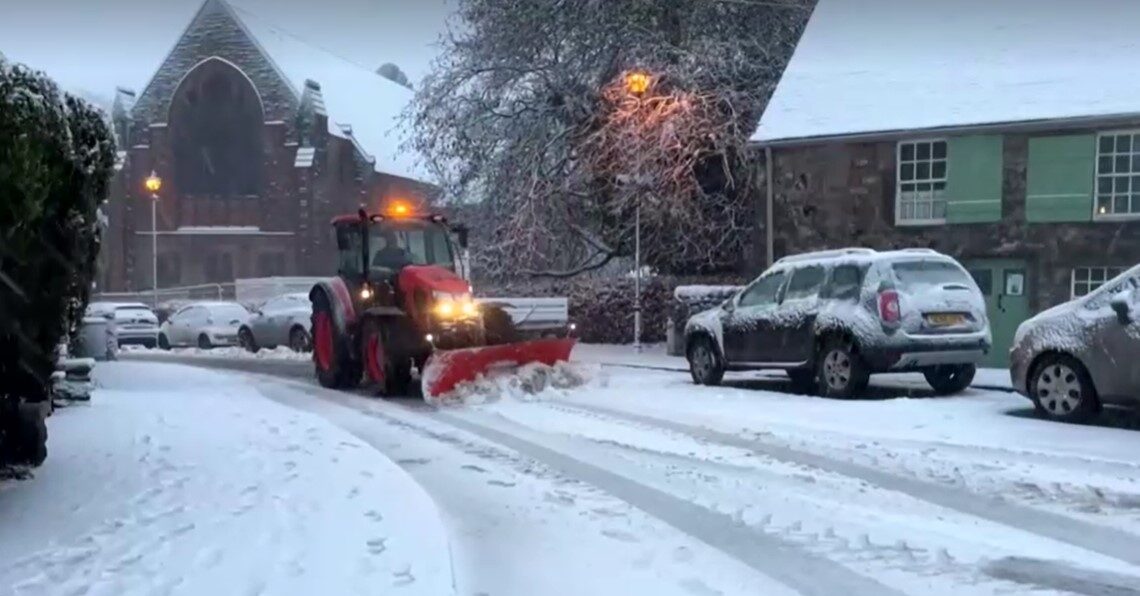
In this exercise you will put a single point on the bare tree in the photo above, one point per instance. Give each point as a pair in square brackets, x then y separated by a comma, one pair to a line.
[526, 111]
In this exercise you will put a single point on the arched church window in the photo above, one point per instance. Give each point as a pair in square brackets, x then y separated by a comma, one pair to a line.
[216, 124]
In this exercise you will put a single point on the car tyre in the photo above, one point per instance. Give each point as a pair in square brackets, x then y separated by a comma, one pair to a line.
[950, 379]
[1061, 389]
[705, 362]
[247, 341]
[204, 342]
[299, 340]
[163, 342]
[840, 370]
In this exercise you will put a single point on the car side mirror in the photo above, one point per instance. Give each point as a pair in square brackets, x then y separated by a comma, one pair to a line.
[1122, 308]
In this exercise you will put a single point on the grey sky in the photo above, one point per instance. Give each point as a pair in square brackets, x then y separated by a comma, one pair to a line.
[94, 45]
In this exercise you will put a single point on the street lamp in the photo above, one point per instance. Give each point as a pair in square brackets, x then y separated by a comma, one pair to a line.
[153, 185]
[637, 83]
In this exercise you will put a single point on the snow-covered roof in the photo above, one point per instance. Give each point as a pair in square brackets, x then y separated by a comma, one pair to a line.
[353, 95]
[892, 65]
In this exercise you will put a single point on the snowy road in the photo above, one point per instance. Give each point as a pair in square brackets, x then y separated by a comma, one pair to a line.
[641, 482]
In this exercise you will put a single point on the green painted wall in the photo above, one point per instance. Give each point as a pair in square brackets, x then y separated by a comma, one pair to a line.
[974, 179]
[1060, 178]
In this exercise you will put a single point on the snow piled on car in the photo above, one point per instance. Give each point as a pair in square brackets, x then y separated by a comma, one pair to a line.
[530, 382]
[278, 353]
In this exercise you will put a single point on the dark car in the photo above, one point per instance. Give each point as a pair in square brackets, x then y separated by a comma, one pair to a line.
[833, 318]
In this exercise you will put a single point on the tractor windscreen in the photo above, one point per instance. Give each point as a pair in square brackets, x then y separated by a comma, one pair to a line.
[397, 243]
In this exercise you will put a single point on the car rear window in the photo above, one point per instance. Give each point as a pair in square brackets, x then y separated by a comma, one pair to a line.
[913, 274]
[130, 312]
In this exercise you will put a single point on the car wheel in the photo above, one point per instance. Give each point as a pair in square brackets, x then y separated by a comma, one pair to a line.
[840, 370]
[705, 363]
[803, 379]
[299, 340]
[1061, 389]
[247, 341]
[163, 343]
[950, 379]
[204, 342]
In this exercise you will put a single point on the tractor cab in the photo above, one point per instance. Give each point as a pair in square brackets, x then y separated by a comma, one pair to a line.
[375, 248]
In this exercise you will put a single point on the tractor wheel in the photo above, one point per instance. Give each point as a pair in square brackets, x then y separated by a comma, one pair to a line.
[498, 327]
[331, 358]
[381, 364]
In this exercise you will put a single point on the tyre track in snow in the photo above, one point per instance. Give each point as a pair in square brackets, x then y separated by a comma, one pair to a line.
[807, 573]
[1107, 541]
[784, 561]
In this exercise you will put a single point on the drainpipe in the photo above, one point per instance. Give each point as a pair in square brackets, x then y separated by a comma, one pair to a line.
[769, 183]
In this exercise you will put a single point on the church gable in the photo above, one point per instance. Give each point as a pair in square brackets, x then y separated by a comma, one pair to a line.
[215, 32]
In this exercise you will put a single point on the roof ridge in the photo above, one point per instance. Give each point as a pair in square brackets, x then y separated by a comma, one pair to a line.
[299, 39]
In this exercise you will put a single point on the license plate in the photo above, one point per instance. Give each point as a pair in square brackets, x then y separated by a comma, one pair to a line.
[945, 320]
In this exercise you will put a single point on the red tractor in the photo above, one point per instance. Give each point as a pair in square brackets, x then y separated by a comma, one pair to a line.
[401, 301]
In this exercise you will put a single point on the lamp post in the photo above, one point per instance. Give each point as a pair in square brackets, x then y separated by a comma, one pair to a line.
[637, 83]
[153, 185]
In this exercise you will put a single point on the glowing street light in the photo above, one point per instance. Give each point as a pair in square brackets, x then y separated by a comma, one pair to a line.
[153, 184]
[637, 83]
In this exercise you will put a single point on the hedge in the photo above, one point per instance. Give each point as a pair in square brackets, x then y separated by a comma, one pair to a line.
[603, 307]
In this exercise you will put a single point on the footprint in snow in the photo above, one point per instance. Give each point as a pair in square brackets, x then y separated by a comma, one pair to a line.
[374, 515]
[473, 468]
[500, 483]
[404, 577]
[682, 554]
[413, 461]
[377, 546]
[620, 535]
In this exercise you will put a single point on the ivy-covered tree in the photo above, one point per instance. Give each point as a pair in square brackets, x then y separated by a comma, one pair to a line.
[56, 161]
[526, 111]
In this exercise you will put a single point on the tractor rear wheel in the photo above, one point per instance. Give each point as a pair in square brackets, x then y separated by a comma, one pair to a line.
[382, 364]
[331, 356]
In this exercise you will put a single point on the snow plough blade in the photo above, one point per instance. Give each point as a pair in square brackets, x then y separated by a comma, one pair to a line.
[446, 369]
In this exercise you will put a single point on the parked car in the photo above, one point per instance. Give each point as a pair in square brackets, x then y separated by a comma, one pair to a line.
[203, 324]
[284, 320]
[133, 323]
[1081, 355]
[833, 318]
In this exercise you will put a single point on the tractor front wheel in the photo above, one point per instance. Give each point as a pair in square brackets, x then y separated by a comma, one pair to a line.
[331, 358]
[385, 369]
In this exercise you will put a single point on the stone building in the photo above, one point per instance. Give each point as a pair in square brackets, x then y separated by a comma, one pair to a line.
[259, 139]
[975, 131]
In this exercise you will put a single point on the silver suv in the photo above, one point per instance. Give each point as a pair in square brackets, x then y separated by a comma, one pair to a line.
[833, 318]
[1077, 356]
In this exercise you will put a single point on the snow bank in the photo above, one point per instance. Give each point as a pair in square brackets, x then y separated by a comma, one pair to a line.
[526, 383]
[278, 353]
[705, 292]
[176, 480]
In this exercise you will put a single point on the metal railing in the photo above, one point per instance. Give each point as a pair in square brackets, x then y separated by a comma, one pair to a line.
[224, 291]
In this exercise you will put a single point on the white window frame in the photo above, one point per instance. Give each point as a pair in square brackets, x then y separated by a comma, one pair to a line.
[1134, 213]
[899, 221]
[1107, 273]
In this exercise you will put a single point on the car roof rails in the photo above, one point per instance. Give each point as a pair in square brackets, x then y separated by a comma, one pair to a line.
[825, 254]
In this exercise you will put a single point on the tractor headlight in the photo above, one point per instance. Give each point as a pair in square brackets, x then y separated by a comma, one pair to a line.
[455, 306]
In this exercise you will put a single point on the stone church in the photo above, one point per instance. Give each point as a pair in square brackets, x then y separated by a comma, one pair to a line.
[259, 139]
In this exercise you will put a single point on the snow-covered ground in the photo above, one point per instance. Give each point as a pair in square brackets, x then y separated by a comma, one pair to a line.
[637, 482]
[278, 353]
[177, 480]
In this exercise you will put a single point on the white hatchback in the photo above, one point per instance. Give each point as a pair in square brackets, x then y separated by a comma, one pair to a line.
[204, 324]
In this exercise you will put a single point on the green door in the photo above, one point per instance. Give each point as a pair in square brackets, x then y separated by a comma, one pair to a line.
[1004, 284]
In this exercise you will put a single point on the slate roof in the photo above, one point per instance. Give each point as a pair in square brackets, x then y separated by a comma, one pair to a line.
[894, 65]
